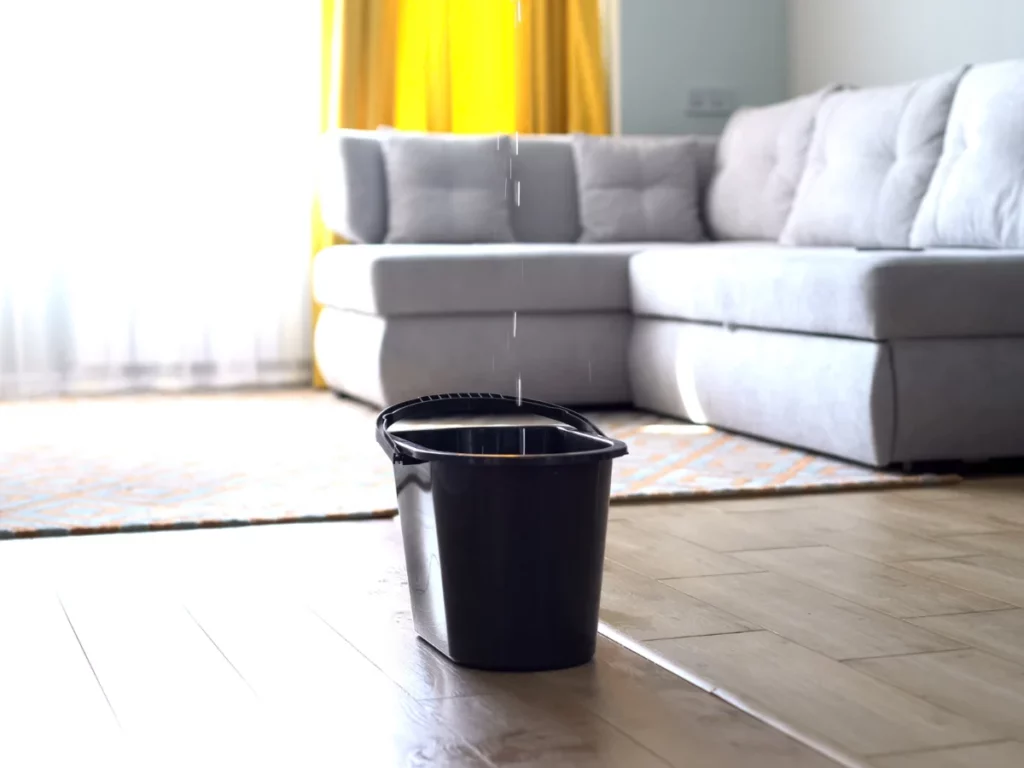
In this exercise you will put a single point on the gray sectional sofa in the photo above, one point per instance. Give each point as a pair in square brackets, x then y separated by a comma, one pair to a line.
[850, 278]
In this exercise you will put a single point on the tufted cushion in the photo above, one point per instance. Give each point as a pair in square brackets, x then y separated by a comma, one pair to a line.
[447, 189]
[638, 188]
[760, 160]
[976, 197]
[872, 156]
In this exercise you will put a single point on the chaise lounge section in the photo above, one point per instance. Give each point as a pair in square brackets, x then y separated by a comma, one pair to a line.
[863, 296]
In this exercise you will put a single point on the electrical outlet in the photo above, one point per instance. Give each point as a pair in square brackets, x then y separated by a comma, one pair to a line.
[711, 102]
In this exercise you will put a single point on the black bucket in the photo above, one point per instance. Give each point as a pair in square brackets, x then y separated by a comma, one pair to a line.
[504, 529]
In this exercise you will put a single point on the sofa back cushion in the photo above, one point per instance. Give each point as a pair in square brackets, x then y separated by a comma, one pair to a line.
[351, 187]
[976, 197]
[545, 201]
[638, 188]
[758, 165]
[872, 156]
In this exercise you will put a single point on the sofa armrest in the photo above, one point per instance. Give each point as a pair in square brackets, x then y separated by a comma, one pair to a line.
[351, 185]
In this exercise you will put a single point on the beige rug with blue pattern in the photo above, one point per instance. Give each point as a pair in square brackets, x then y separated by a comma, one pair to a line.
[158, 462]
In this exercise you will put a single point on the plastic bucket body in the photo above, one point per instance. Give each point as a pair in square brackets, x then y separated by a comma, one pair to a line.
[504, 530]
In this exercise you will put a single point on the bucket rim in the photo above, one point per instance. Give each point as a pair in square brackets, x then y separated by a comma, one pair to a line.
[402, 451]
[606, 449]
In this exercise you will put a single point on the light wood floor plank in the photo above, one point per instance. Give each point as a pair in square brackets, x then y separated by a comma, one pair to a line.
[829, 700]
[645, 609]
[382, 630]
[160, 672]
[924, 518]
[998, 632]
[305, 676]
[722, 531]
[977, 685]
[870, 584]
[828, 524]
[998, 577]
[1004, 506]
[683, 725]
[1006, 754]
[1005, 544]
[663, 556]
[539, 732]
[46, 682]
[817, 620]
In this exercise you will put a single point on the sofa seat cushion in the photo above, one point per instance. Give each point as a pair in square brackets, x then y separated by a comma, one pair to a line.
[462, 279]
[835, 291]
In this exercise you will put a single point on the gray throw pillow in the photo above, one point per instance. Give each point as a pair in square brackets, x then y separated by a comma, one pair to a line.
[638, 189]
[447, 189]
[761, 157]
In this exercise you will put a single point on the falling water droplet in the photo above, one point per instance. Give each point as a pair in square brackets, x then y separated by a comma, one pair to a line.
[517, 142]
[515, 323]
[510, 166]
[506, 189]
[517, 193]
[519, 11]
[519, 389]
[522, 441]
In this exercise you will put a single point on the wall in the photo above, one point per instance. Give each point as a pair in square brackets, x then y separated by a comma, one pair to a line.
[877, 42]
[667, 47]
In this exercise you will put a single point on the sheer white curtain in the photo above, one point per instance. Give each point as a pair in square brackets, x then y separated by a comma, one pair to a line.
[155, 181]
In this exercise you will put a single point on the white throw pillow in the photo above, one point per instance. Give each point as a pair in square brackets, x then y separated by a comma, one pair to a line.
[976, 197]
[638, 188]
[871, 159]
[447, 188]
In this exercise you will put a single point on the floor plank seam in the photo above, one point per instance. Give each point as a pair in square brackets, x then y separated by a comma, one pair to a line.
[88, 661]
[663, 579]
[705, 634]
[221, 652]
[829, 750]
[845, 659]
[938, 750]
[912, 619]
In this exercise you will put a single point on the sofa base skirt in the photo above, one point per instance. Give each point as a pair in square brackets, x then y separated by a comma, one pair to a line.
[571, 359]
[959, 399]
[876, 403]
[826, 394]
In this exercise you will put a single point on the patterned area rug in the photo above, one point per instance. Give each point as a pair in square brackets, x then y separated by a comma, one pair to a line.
[158, 462]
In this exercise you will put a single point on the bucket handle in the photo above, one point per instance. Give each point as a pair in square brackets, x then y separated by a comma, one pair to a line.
[470, 403]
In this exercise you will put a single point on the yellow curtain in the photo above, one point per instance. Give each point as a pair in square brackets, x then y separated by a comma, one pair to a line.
[462, 66]
[561, 82]
[358, 48]
[480, 66]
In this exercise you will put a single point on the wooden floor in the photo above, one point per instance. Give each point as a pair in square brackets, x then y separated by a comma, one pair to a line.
[292, 646]
[885, 628]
